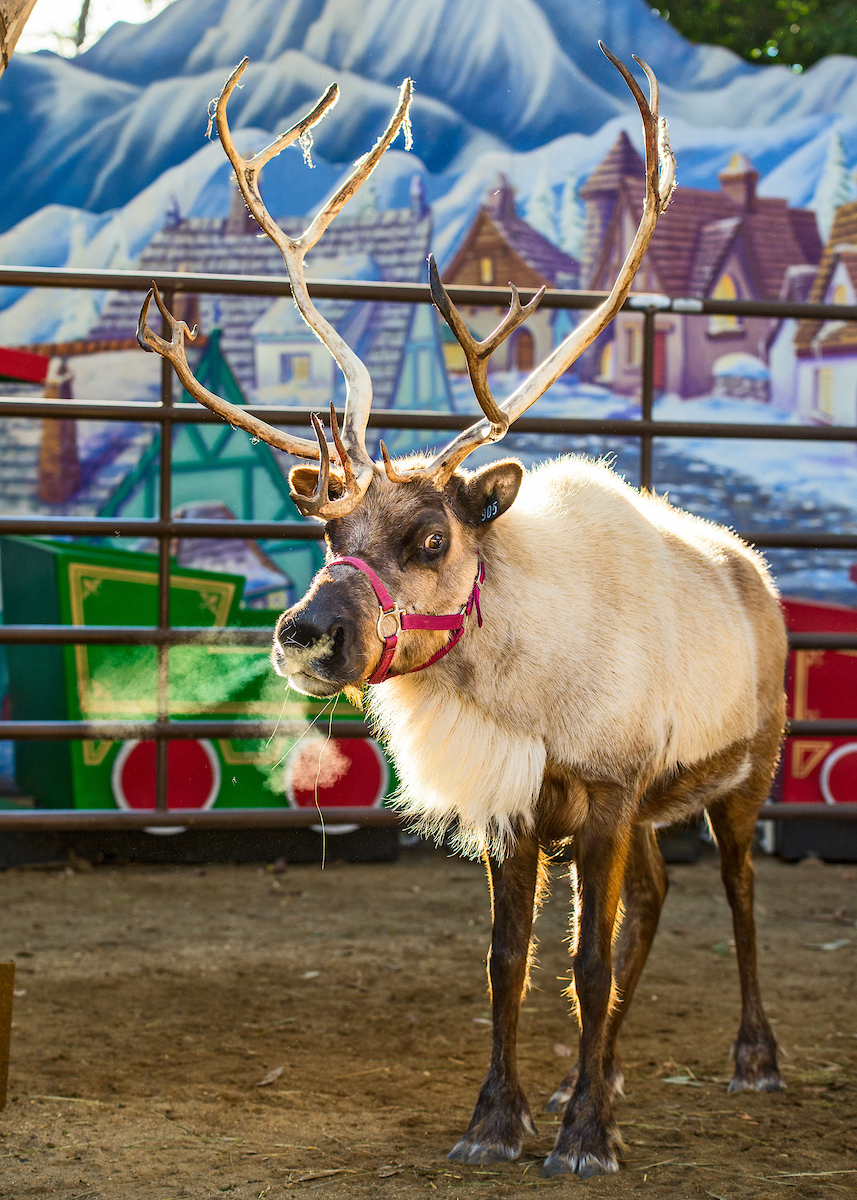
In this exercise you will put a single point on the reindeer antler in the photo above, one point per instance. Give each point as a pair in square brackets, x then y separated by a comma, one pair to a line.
[174, 351]
[350, 449]
[660, 182]
[478, 353]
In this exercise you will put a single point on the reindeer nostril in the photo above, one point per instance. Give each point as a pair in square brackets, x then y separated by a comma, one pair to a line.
[337, 639]
[302, 634]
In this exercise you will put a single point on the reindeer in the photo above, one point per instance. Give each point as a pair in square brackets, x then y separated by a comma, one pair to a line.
[551, 658]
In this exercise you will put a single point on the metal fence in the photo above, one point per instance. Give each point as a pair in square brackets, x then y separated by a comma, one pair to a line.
[165, 527]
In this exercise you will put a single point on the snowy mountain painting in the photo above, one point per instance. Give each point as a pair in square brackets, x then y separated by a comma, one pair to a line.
[517, 86]
[519, 124]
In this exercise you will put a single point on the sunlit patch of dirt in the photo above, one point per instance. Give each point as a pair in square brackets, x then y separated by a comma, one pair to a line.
[156, 1006]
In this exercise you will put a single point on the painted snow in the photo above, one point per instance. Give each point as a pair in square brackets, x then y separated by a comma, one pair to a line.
[102, 147]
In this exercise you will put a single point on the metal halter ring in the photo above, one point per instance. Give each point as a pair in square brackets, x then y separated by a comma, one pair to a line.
[395, 613]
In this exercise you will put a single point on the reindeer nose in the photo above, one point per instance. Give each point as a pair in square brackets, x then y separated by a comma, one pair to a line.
[305, 632]
[300, 631]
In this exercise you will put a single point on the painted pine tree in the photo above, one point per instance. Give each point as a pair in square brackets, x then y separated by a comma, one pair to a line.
[572, 218]
[540, 207]
[835, 187]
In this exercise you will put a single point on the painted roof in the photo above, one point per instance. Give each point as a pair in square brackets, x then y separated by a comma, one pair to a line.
[398, 241]
[622, 162]
[108, 451]
[696, 232]
[553, 266]
[842, 247]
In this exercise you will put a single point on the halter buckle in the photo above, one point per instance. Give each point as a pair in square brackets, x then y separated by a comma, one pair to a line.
[395, 615]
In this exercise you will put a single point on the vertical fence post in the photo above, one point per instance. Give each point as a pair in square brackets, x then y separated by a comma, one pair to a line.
[7, 992]
[647, 396]
[165, 506]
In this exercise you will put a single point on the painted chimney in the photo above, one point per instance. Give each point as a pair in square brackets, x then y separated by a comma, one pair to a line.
[738, 181]
[240, 222]
[500, 200]
[59, 464]
[419, 203]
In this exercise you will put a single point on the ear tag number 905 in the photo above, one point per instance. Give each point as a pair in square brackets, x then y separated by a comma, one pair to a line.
[490, 510]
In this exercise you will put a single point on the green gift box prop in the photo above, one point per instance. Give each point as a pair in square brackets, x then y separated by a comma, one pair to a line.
[67, 583]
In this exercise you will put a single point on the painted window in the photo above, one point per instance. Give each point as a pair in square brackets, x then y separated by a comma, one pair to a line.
[453, 355]
[726, 289]
[486, 270]
[607, 373]
[633, 345]
[425, 390]
[294, 368]
[840, 294]
[824, 379]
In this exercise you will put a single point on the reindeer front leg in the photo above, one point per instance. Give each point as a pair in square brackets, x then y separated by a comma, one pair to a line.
[588, 1140]
[502, 1115]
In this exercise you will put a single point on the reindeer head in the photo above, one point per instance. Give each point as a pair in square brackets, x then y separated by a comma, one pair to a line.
[414, 529]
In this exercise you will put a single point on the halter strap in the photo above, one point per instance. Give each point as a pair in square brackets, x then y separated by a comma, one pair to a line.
[392, 620]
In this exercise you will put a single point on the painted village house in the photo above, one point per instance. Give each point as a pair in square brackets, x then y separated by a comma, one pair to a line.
[825, 352]
[250, 349]
[273, 354]
[724, 244]
[501, 248]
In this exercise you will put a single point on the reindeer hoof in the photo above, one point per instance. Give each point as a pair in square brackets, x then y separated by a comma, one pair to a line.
[770, 1081]
[582, 1165]
[495, 1136]
[482, 1154]
[499, 1125]
[756, 1067]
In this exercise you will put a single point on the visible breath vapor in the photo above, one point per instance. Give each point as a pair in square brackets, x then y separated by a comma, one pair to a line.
[319, 764]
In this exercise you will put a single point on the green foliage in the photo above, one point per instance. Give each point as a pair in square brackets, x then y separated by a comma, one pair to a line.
[796, 33]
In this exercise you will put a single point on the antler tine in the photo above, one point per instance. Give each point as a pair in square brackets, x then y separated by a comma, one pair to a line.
[348, 470]
[247, 170]
[320, 504]
[174, 351]
[660, 182]
[392, 474]
[314, 505]
[478, 353]
[357, 465]
[358, 394]
[665, 157]
[364, 167]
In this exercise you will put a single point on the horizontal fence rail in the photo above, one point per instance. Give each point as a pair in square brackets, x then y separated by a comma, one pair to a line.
[195, 414]
[109, 527]
[405, 293]
[249, 729]
[227, 635]
[97, 730]
[165, 527]
[59, 819]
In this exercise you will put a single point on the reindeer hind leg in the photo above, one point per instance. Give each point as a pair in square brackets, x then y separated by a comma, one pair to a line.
[733, 821]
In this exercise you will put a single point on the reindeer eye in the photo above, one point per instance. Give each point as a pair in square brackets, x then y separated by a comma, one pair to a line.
[433, 542]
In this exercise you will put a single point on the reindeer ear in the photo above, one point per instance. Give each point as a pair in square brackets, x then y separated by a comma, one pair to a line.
[304, 480]
[487, 494]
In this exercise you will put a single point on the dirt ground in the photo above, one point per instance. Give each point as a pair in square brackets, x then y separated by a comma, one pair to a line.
[153, 1002]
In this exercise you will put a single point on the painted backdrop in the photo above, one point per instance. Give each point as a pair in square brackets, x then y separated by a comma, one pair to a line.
[525, 166]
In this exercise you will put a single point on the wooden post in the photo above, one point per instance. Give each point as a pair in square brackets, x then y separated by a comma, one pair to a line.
[59, 463]
[7, 984]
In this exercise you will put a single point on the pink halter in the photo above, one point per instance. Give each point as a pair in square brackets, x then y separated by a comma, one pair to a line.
[393, 618]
